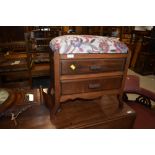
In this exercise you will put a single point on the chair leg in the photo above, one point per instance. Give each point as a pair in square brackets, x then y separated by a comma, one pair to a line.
[125, 97]
[120, 99]
[144, 100]
[54, 112]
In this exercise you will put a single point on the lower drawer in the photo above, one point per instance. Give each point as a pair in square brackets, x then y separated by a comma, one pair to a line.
[90, 85]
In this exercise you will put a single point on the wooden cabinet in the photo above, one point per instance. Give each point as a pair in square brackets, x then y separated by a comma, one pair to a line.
[88, 76]
[145, 64]
[15, 70]
[38, 45]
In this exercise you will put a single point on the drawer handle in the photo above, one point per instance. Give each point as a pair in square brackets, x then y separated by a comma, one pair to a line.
[94, 86]
[95, 67]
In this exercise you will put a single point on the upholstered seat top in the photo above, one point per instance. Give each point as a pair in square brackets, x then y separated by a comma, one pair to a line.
[87, 44]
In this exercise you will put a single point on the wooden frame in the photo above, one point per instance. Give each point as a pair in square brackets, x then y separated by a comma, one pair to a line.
[55, 88]
[18, 71]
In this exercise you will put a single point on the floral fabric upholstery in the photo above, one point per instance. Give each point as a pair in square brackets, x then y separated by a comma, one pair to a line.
[87, 44]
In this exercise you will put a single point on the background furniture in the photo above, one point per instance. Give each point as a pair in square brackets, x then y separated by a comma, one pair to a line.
[136, 45]
[15, 65]
[145, 63]
[34, 114]
[132, 86]
[38, 38]
[11, 33]
[80, 114]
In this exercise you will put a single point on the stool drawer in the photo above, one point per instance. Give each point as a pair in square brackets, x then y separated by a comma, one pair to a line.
[70, 67]
[90, 85]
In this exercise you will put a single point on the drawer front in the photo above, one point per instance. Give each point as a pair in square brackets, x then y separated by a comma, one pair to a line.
[70, 67]
[90, 85]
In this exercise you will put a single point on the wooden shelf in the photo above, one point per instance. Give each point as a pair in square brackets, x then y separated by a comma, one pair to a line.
[42, 69]
[17, 84]
[39, 48]
[42, 39]
[15, 70]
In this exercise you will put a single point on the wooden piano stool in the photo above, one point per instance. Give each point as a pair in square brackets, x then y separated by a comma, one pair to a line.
[87, 76]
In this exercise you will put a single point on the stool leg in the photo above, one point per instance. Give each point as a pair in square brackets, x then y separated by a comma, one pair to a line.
[121, 103]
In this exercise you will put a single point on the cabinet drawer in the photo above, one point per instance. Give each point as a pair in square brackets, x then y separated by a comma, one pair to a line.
[90, 85]
[70, 67]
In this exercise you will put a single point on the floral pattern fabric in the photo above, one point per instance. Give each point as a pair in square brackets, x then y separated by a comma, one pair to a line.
[87, 44]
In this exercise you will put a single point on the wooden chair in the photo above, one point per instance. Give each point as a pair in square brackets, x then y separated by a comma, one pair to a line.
[15, 67]
[132, 86]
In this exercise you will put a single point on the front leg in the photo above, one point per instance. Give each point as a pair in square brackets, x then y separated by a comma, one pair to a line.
[120, 99]
[55, 110]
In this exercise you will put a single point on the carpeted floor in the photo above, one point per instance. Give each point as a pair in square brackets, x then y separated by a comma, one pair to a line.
[145, 116]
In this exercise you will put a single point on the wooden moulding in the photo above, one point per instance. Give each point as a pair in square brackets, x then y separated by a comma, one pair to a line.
[90, 95]
[75, 77]
[93, 56]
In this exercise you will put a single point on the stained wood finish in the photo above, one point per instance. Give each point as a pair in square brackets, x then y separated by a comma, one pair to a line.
[145, 64]
[89, 95]
[93, 56]
[17, 84]
[97, 75]
[8, 102]
[37, 116]
[120, 96]
[38, 46]
[102, 70]
[42, 69]
[56, 82]
[9, 71]
[91, 66]
[91, 114]
[8, 65]
[90, 85]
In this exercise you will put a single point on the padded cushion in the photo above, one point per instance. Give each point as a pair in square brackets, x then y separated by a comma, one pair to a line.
[132, 85]
[87, 44]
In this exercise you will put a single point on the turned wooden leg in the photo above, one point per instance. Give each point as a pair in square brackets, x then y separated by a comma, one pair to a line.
[56, 108]
[121, 103]
[125, 97]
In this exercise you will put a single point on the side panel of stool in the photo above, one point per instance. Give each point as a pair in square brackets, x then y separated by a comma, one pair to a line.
[124, 78]
[56, 82]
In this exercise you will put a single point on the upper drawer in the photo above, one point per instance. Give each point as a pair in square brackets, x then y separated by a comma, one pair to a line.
[91, 66]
